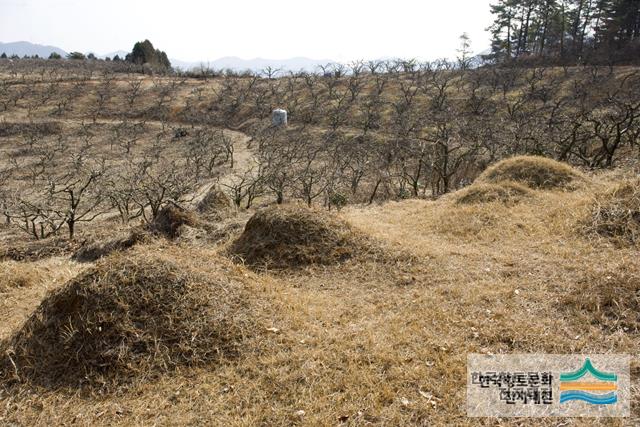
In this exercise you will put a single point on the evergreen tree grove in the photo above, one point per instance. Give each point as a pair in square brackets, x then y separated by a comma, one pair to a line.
[568, 30]
[144, 53]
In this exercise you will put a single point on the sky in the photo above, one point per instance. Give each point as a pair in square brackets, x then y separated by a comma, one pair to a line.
[199, 30]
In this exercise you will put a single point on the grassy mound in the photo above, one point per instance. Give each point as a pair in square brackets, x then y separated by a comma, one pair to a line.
[505, 192]
[133, 316]
[534, 172]
[215, 204]
[284, 237]
[171, 218]
[616, 214]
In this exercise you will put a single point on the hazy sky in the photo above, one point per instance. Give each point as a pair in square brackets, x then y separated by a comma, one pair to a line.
[194, 30]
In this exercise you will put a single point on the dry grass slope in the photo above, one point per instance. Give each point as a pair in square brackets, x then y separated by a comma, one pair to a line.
[291, 236]
[615, 214]
[534, 172]
[133, 316]
[609, 298]
[504, 192]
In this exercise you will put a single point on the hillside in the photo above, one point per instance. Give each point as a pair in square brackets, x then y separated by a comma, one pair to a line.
[30, 49]
[365, 343]
[170, 258]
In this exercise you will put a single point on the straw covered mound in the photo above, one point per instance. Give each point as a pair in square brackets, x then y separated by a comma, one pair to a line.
[215, 204]
[533, 172]
[615, 214]
[282, 237]
[170, 218]
[133, 316]
[505, 192]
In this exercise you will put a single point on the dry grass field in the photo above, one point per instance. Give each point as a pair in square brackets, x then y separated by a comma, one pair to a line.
[203, 308]
[369, 342]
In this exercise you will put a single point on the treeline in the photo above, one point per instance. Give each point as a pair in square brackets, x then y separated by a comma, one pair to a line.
[566, 31]
[143, 54]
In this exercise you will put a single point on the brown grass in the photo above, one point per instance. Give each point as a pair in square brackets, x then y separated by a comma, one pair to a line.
[8, 129]
[503, 192]
[215, 204]
[615, 214]
[25, 248]
[25, 283]
[292, 236]
[366, 344]
[609, 297]
[93, 250]
[534, 172]
[131, 316]
[170, 218]
[15, 275]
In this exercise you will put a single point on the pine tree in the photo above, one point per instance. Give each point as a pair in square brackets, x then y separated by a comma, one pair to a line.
[76, 55]
[565, 29]
[502, 27]
[621, 25]
[145, 53]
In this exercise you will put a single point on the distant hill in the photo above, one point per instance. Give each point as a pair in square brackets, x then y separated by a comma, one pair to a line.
[255, 64]
[22, 48]
[26, 48]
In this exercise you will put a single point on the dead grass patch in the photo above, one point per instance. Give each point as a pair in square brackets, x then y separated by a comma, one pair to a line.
[170, 218]
[215, 204]
[615, 214]
[504, 192]
[291, 236]
[28, 249]
[93, 250]
[15, 275]
[133, 316]
[534, 172]
[609, 297]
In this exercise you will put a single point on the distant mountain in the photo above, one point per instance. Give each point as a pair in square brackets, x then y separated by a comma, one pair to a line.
[22, 48]
[25, 48]
[256, 64]
[479, 59]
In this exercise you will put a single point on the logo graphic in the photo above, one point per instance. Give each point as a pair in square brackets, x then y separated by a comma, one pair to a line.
[548, 385]
[571, 388]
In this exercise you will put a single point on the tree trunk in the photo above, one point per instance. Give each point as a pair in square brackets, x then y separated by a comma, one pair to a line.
[71, 223]
[375, 190]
